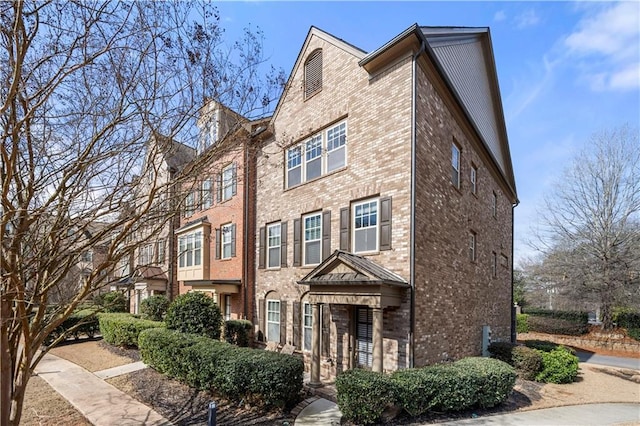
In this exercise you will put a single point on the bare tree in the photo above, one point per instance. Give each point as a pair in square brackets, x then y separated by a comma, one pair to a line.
[591, 236]
[84, 87]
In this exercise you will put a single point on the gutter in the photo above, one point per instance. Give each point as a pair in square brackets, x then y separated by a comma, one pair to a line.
[412, 272]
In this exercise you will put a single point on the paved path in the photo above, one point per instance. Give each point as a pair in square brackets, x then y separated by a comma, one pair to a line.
[611, 361]
[101, 403]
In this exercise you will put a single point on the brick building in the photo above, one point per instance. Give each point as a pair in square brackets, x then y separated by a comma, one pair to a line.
[384, 204]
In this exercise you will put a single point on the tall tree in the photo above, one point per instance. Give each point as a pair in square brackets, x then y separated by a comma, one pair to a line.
[591, 239]
[84, 87]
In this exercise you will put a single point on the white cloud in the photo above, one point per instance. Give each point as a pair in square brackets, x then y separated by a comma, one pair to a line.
[606, 46]
[528, 18]
[500, 16]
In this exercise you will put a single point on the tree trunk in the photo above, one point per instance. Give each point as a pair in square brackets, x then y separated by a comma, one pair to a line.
[6, 367]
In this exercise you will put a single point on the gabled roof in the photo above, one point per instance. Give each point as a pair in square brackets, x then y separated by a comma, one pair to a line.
[349, 269]
[316, 32]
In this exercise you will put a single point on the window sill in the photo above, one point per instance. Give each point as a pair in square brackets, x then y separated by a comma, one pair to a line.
[332, 172]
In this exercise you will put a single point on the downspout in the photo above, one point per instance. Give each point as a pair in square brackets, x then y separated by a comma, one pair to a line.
[245, 233]
[412, 245]
[513, 308]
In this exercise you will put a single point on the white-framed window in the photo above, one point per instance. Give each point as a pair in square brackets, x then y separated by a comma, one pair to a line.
[365, 226]
[312, 247]
[494, 204]
[455, 165]
[313, 73]
[472, 246]
[273, 320]
[474, 179]
[226, 241]
[206, 193]
[321, 153]
[273, 245]
[145, 254]
[307, 325]
[190, 250]
[159, 251]
[227, 181]
[190, 204]
[494, 264]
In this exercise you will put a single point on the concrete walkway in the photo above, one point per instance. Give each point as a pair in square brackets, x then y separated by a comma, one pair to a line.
[101, 403]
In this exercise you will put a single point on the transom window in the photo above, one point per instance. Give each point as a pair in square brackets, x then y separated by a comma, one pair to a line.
[273, 320]
[273, 245]
[365, 226]
[190, 250]
[455, 165]
[226, 241]
[307, 323]
[322, 153]
[313, 74]
[312, 239]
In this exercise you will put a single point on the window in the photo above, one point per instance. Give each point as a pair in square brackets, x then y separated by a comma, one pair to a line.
[227, 307]
[145, 254]
[364, 336]
[86, 256]
[210, 137]
[474, 178]
[494, 204]
[313, 74]
[455, 165]
[206, 197]
[494, 264]
[312, 239]
[273, 320]
[190, 204]
[227, 236]
[159, 251]
[472, 246]
[227, 183]
[125, 266]
[307, 324]
[190, 250]
[504, 261]
[365, 226]
[322, 153]
[273, 245]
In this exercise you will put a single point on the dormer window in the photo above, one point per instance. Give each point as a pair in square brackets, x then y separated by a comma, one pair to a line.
[313, 74]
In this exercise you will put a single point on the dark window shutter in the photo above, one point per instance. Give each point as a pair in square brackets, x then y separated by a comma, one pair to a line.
[385, 223]
[326, 330]
[345, 237]
[296, 325]
[283, 322]
[297, 244]
[326, 234]
[234, 181]
[283, 245]
[262, 248]
[233, 240]
[218, 243]
[219, 187]
[262, 308]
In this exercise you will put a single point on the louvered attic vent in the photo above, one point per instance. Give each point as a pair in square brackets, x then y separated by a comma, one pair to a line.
[313, 74]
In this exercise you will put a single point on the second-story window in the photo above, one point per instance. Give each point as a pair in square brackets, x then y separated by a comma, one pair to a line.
[474, 180]
[227, 236]
[227, 182]
[365, 226]
[312, 239]
[273, 245]
[206, 197]
[321, 153]
[190, 250]
[455, 165]
[190, 204]
[145, 254]
[159, 251]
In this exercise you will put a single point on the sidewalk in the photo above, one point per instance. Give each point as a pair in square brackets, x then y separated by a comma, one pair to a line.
[101, 403]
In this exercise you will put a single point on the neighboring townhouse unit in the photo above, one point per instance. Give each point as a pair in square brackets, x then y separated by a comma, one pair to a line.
[385, 204]
[150, 270]
[213, 254]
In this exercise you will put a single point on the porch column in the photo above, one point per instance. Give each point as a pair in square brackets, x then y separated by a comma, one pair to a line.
[316, 336]
[377, 340]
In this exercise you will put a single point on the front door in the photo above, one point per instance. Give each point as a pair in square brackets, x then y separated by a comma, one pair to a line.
[364, 336]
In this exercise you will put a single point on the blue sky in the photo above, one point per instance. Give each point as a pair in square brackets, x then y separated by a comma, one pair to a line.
[566, 69]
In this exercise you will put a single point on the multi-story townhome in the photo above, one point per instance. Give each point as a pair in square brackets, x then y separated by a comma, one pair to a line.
[214, 255]
[385, 204]
[150, 269]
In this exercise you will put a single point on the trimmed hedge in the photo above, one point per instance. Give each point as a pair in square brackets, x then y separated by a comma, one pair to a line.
[522, 323]
[84, 321]
[122, 329]
[630, 321]
[111, 302]
[551, 325]
[258, 376]
[470, 382]
[581, 317]
[558, 366]
[238, 332]
[155, 307]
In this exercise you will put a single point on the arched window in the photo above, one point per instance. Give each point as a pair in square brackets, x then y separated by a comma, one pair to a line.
[313, 74]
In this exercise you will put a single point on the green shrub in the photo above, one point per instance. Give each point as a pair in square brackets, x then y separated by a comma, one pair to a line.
[526, 361]
[580, 317]
[113, 301]
[154, 307]
[542, 345]
[122, 329]
[628, 319]
[522, 323]
[634, 333]
[491, 380]
[558, 366]
[80, 322]
[556, 326]
[235, 373]
[502, 351]
[195, 313]
[363, 395]
[238, 332]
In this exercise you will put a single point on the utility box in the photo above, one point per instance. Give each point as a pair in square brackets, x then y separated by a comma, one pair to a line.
[486, 340]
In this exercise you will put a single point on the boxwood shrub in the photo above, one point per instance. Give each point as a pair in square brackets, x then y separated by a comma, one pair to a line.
[522, 323]
[558, 366]
[550, 325]
[238, 332]
[470, 382]
[122, 329]
[235, 373]
[196, 313]
[580, 317]
[155, 307]
[502, 351]
[526, 361]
